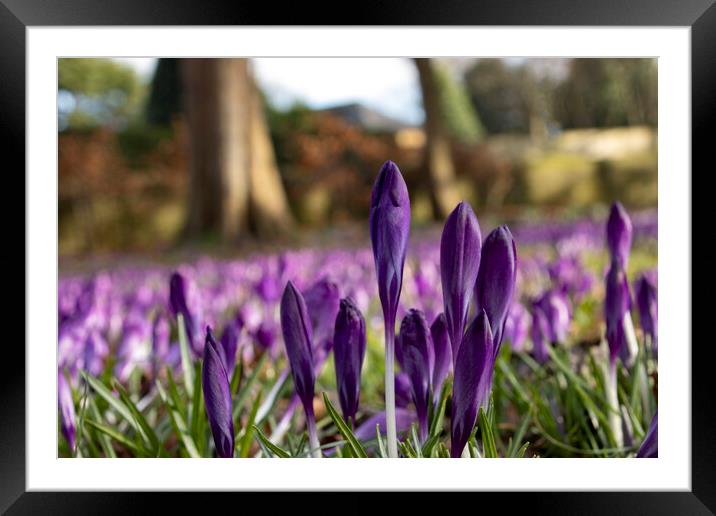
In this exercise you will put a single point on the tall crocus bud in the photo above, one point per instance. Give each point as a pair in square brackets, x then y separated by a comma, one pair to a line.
[389, 229]
[297, 337]
[178, 304]
[650, 447]
[418, 361]
[459, 263]
[617, 303]
[539, 331]
[443, 354]
[517, 326]
[555, 306]
[217, 397]
[67, 410]
[473, 370]
[496, 281]
[646, 302]
[619, 233]
[348, 351]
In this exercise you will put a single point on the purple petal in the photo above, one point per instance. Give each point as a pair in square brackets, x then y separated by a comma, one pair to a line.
[619, 233]
[496, 280]
[617, 303]
[459, 264]
[443, 353]
[473, 370]
[650, 447]
[67, 409]
[349, 343]
[217, 398]
[389, 230]
[297, 337]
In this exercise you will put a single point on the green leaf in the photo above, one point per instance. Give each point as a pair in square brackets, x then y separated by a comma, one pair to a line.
[145, 431]
[268, 445]
[436, 424]
[430, 444]
[123, 440]
[246, 388]
[178, 424]
[248, 434]
[186, 362]
[117, 404]
[174, 393]
[343, 428]
[488, 438]
[381, 445]
[416, 441]
[104, 440]
[197, 407]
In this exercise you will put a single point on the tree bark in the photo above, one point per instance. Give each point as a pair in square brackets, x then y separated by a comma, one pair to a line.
[439, 167]
[235, 187]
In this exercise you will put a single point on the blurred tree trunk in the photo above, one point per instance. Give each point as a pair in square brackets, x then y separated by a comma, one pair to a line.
[438, 155]
[233, 173]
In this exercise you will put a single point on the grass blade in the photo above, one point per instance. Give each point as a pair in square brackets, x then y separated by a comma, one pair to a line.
[343, 428]
[268, 445]
[186, 362]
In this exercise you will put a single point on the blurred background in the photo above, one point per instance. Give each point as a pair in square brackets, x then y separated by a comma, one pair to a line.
[160, 158]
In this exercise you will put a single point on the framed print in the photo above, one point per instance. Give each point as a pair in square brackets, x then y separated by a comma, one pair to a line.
[413, 240]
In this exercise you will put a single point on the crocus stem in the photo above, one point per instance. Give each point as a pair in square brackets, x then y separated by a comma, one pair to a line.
[466, 452]
[615, 420]
[630, 336]
[313, 434]
[392, 435]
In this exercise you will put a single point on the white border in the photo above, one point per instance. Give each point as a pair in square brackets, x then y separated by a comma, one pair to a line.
[670, 471]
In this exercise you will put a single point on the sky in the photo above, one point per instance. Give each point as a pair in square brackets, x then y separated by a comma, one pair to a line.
[389, 85]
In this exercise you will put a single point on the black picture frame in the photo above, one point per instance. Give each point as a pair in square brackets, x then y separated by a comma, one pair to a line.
[17, 15]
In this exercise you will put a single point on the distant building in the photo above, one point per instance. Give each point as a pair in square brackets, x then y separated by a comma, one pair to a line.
[406, 135]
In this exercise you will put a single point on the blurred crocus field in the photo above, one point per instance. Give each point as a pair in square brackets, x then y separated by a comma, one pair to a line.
[338, 258]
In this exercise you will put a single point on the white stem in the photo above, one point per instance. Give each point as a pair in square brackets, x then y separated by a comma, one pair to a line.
[615, 420]
[313, 437]
[466, 452]
[391, 434]
[630, 335]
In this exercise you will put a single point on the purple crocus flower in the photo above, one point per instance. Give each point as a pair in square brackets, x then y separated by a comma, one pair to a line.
[617, 303]
[555, 306]
[459, 264]
[366, 431]
[389, 230]
[473, 370]
[443, 354]
[419, 360]
[349, 350]
[619, 234]
[229, 345]
[178, 304]
[322, 301]
[67, 410]
[539, 332]
[403, 390]
[297, 337]
[217, 397]
[650, 447]
[517, 326]
[646, 302]
[496, 280]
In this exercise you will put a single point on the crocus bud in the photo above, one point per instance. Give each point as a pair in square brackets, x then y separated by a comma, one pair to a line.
[229, 344]
[646, 302]
[517, 326]
[348, 352]
[297, 337]
[459, 263]
[555, 306]
[617, 303]
[619, 233]
[389, 229]
[178, 304]
[473, 370]
[217, 398]
[418, 360]
[322, 301]
[443, 353]
[496, 280]
[539, 332]
[67, 410]
[403, 390]
[650, 447]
